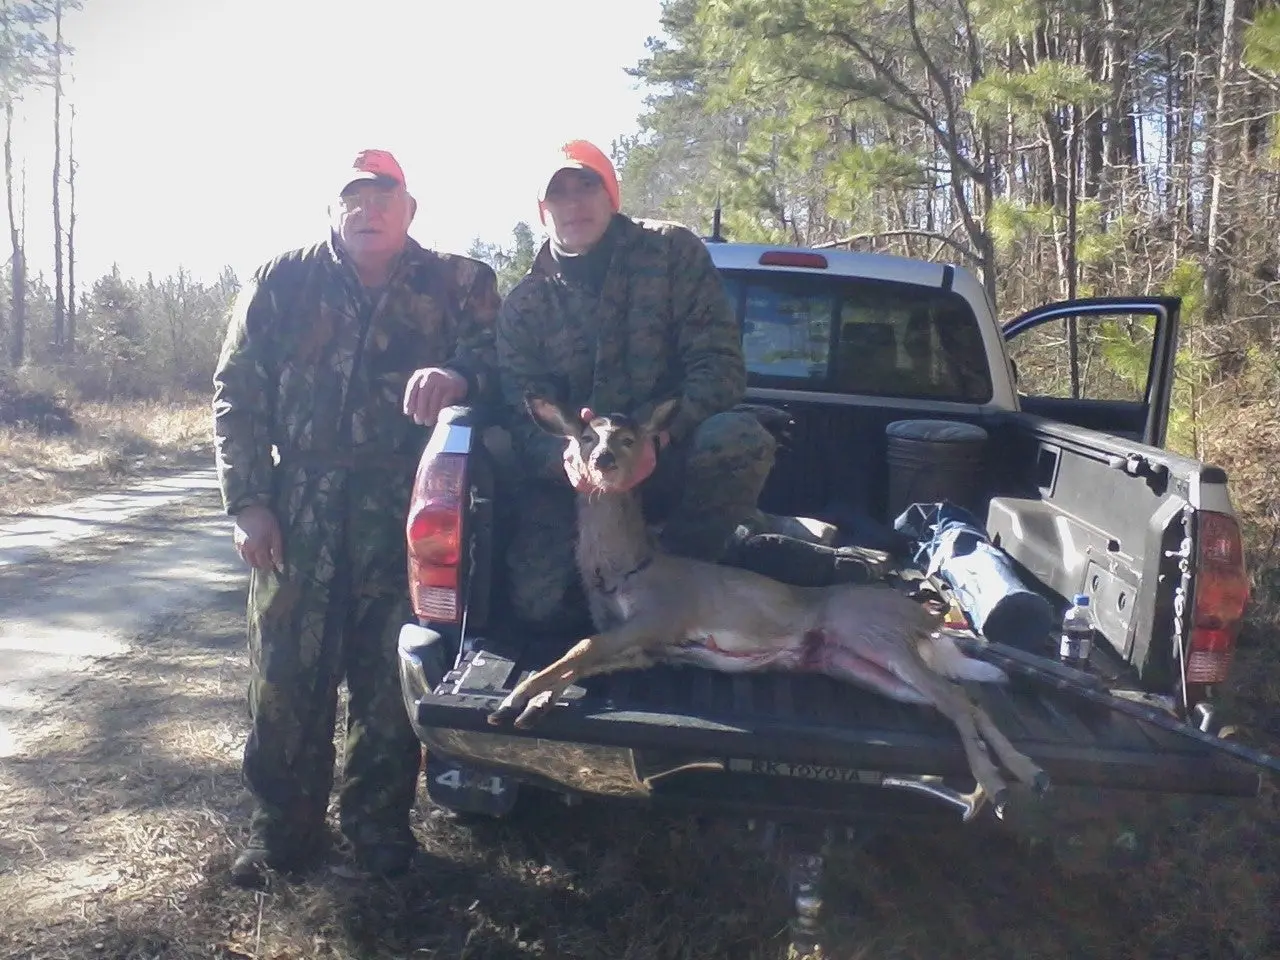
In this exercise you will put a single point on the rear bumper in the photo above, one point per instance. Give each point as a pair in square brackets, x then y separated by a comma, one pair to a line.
[773, 743]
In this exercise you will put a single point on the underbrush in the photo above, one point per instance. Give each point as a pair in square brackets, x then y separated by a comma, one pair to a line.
[55, 446]
[1209, 874]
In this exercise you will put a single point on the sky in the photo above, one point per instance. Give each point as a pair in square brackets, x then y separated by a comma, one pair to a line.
[208, 132]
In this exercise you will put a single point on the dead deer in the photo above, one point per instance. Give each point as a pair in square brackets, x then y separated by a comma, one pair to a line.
[649, 606]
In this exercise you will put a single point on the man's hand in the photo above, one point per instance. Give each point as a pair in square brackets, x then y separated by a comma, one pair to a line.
[257, 538]
[576, 470]
[430, 390]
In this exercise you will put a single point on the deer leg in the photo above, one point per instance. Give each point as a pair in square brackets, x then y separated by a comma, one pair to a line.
[990, 735]
[956, 707]
[902, 673]
[1017, 763]
[623, 648]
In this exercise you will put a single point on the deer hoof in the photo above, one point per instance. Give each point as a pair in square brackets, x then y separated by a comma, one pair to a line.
[507, 709]
[976, 801]
[999, 800]
[1040, 785]
[534, 710]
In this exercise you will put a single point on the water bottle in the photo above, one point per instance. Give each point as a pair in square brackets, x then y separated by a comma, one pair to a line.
[1077, 634]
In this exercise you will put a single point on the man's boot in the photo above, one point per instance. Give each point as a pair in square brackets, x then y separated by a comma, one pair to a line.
[382, 852]
[802, 563]
[272, 847]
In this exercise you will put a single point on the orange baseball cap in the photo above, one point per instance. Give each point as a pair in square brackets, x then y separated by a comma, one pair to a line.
[580, 155]
[371, 165]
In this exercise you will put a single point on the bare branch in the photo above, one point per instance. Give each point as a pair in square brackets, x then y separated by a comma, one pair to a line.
[908, 232]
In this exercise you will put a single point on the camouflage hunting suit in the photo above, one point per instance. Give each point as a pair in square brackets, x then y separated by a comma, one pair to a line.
[315, 366]
[660, 326]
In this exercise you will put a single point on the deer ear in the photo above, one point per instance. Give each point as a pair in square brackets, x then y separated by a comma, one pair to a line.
[662, 416]
[550, 416]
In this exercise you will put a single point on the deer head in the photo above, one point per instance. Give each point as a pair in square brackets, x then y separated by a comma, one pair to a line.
[608, 445]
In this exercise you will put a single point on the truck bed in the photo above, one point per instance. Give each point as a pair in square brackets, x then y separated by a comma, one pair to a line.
[787, 739]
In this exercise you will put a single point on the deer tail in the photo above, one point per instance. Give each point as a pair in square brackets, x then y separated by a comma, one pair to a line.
[943, 656]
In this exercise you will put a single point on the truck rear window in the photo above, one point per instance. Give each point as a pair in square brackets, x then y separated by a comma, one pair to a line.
[842, 335]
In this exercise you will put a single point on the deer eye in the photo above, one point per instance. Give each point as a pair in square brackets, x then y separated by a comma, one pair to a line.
[588, 439]
[627, 441]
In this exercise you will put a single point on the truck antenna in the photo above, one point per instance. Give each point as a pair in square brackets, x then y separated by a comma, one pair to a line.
[715, 222]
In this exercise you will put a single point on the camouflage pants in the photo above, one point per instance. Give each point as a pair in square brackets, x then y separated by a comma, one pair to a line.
[335, 614]
[701, 490]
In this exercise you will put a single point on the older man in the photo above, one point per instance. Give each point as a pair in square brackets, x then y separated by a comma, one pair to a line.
[338, 355]
[617, 312]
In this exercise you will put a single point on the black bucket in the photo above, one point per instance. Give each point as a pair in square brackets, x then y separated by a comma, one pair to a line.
[931, 461]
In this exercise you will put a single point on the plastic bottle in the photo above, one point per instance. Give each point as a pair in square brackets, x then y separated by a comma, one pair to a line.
[1077, 634]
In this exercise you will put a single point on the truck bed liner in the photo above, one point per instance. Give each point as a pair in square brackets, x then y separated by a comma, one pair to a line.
[817, 720]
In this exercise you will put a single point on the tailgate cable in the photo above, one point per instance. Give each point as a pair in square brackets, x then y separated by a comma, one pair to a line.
[1080, 684]
[1077, 683]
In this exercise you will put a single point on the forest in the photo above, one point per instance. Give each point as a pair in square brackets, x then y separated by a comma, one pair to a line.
[1058, 148]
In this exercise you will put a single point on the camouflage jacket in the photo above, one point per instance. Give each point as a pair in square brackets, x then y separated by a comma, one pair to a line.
[662, 326]
[315, 366]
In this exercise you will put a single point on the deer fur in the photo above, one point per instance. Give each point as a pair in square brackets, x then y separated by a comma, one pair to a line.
[649, 607]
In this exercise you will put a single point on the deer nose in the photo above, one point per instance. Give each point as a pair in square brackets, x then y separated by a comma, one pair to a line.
[606, 461]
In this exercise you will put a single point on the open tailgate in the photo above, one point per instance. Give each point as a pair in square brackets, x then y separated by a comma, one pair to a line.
[769, 723]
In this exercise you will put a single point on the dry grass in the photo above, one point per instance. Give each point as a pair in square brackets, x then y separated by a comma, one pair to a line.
[115, 444]
[116, 832]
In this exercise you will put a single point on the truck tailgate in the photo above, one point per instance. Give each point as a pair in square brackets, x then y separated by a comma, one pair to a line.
[769, 718]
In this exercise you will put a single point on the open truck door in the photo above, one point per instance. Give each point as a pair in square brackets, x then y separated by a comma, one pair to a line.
[1104, 363]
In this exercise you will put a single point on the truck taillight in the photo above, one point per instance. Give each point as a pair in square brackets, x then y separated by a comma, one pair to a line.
[434, 532]
[1221, 594]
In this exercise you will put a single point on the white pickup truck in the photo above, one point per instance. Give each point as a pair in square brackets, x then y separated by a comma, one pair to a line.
[1078, 494]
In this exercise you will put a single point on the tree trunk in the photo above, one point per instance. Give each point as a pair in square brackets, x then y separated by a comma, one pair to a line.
[71, 234]
[1011, 157]
[1091, 54]
[1190, 104]
[59, 302]
[1218, 237]
[1170, 205]
[18, 333]
[1122, 134]
[1073, 269]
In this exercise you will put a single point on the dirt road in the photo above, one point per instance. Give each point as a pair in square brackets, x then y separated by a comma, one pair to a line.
[122, 677]
[79, 580]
